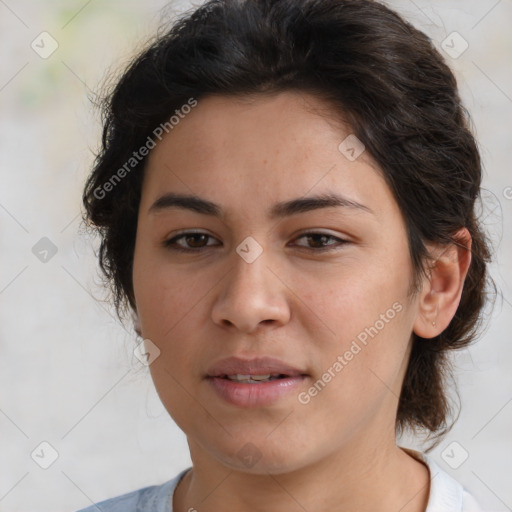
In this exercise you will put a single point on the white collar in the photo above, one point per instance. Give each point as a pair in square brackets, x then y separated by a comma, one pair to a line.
[446, 494]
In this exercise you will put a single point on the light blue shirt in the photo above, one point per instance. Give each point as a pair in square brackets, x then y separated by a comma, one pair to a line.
[446, 494]
[155, 498]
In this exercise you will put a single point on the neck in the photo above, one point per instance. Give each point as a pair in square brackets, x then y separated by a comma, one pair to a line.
[360, 478]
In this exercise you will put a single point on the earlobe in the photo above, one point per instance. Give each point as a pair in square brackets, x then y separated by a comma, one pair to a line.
[434, 322]
[442, 289]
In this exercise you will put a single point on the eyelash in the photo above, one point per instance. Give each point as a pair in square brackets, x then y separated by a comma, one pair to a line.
[171, 242]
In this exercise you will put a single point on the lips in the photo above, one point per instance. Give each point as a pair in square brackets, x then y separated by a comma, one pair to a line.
[254, 383]
[233, 366]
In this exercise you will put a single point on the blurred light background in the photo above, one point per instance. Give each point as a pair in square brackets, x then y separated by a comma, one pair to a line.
[68, 375]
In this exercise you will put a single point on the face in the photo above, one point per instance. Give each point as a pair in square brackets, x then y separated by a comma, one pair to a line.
[320, 287]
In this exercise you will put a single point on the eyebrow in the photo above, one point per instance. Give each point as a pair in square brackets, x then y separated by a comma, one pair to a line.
[278, 210]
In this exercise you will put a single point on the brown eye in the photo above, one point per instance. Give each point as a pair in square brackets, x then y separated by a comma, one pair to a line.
[197, 240]
[194, 242]
[319, 241]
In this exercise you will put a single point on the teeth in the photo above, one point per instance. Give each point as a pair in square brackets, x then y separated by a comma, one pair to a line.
[239, 376]
[253, 378]
[260, 377]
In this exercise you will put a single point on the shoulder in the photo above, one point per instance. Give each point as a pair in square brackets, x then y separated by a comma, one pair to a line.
[154, 498]
[446, 493]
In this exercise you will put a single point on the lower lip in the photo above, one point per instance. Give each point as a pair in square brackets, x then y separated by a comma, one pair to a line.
[255, 395]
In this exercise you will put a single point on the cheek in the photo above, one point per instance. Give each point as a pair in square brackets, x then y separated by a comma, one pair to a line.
[350, 298]
[168, 303]
[164, 294]
[370, 320]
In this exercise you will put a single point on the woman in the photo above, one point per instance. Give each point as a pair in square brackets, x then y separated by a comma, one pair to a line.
[286, 196]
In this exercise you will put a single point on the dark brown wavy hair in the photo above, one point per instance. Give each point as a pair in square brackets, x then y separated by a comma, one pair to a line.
[382, 76]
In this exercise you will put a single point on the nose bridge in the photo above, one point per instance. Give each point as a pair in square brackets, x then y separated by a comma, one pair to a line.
[249, 270]
[250, 292]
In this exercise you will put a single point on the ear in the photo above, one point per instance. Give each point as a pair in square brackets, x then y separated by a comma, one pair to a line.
[442, 289]
[136, 323]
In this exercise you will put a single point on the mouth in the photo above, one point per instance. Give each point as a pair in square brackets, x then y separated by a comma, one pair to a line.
[257, 382]
[253, 379]
[250, 371]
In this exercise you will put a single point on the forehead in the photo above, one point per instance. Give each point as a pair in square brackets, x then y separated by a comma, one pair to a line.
[288, 125]
[242, 151]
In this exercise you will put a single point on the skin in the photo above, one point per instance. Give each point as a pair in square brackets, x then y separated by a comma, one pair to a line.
[337, 452]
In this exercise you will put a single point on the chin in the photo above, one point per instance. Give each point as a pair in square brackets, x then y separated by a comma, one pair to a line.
[262, 457]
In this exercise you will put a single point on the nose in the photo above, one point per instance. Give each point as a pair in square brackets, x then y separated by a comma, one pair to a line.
[251, 295]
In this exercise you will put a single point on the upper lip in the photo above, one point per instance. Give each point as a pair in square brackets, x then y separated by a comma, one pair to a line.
[255, 366]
